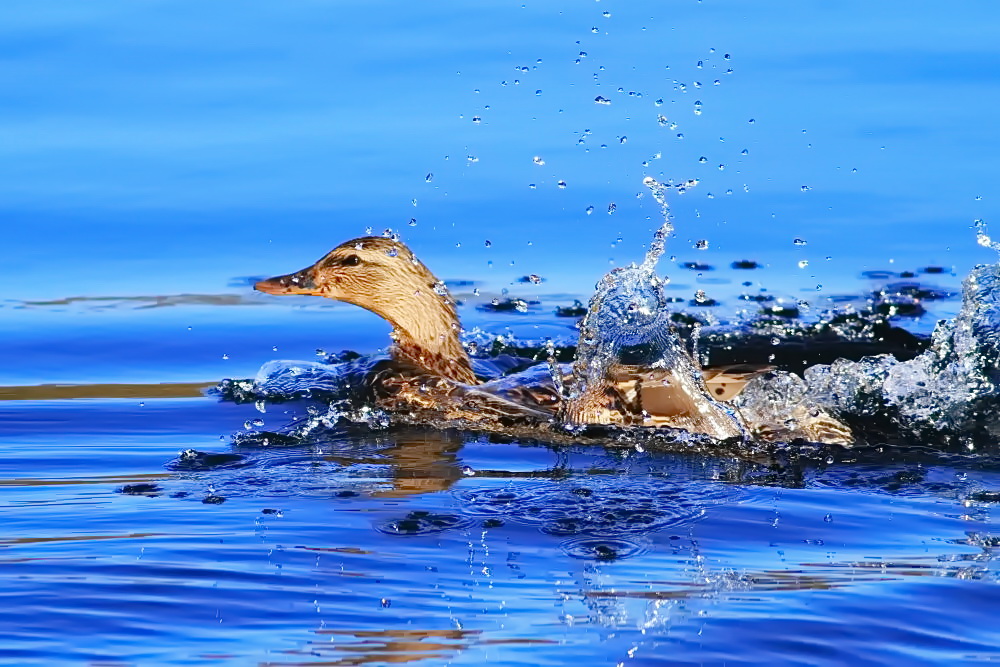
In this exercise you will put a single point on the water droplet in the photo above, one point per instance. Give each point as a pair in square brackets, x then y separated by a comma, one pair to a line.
[561, 184]
[589, 210]
[623, 139]
[538, 92]
[803, 263]
[697, 108]
[537, 160]
[751, 121]
[805, 188]
[703, 159]
[471, 158]
[532, 186]
[744, 152]
[828, 518]
[722, 167]
[468, 471]
[662, 120]
[489, 243]
[477, 120]
[225, 356]
[606, 15]
[429, 177]
[413, 222]
[600, 99]
[612, 207]
[659, 102]
[701, 244]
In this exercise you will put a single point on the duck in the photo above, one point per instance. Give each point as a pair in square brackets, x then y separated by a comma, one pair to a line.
[430, 376]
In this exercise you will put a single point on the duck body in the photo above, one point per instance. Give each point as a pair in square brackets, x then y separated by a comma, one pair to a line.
[430, 377]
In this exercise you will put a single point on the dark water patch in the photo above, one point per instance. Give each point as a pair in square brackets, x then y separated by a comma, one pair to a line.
[508, 305]
[746, 265]
[757, 298]
[878, 275]
[789, 312]
[897, 308]
[602, 549]
[576, 310]
[697, 266]
[984, 496]
[192, 459]
[142, 489]
[593, 506]
[934, 270]
[422, 522]
[915, 291]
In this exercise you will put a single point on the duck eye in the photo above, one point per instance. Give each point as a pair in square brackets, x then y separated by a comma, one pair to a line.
[351, 260]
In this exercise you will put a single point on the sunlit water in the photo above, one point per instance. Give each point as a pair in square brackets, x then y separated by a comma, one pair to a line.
[157, 157]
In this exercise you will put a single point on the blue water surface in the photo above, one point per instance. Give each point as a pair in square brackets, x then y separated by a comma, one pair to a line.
[156, 157]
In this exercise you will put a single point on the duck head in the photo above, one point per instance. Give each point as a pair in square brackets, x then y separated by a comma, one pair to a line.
[383, 276]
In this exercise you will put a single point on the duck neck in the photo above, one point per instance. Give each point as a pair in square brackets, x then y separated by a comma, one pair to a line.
[427, 335]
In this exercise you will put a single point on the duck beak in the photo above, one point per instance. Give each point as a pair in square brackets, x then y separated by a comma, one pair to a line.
[300, 282]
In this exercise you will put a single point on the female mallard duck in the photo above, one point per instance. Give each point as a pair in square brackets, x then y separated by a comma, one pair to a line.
[433, 378]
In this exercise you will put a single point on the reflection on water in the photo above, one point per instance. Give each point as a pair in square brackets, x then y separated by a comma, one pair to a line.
[416, 545]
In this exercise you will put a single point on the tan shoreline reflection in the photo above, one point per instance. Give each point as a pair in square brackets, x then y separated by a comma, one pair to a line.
[61, 392]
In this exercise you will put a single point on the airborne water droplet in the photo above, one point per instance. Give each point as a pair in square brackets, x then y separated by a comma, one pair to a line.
[600, 99]
[537, 160]
[589, 210]
[799, 241]
[561, 184]
[701, 244]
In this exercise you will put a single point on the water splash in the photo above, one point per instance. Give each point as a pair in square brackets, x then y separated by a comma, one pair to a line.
[946, 390]
[983, 237]
[630, 365]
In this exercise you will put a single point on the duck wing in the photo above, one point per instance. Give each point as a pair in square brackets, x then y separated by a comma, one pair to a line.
[724, 383]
